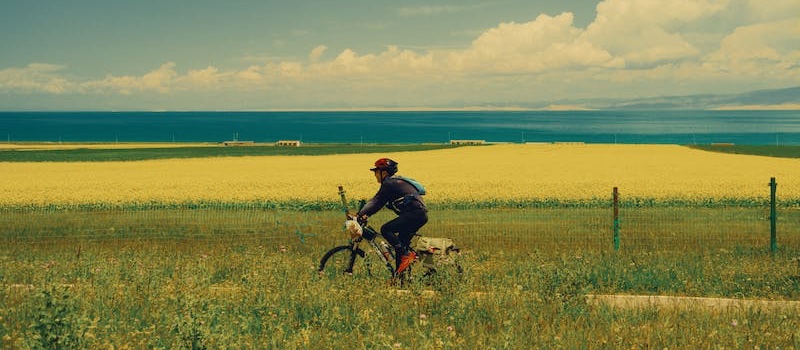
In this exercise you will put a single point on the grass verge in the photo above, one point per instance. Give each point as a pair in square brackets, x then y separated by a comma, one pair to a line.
[96, 153]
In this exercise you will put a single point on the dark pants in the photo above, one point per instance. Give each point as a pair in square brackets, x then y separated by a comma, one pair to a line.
[399, 231]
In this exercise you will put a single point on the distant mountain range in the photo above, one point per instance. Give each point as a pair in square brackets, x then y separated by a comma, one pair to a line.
[788, 98]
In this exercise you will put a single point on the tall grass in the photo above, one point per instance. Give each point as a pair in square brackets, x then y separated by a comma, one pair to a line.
[211, 278]
[212, 294]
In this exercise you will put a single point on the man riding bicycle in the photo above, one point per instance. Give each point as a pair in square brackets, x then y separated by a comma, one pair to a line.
[404, 197]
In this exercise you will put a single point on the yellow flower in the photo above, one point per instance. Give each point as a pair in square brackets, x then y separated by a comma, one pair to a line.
[466, 174]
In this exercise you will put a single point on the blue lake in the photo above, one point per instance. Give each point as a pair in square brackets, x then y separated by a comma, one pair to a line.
[658, 127]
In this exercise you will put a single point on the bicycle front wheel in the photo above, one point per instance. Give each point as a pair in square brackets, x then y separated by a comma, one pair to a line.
[342, 260]
[339, 260]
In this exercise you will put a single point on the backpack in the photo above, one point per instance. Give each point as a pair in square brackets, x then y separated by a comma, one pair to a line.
[420, 188]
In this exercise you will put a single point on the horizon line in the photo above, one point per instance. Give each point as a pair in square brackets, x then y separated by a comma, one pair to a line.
[550, 108]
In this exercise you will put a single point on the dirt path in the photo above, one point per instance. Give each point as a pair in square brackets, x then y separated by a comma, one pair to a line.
[714, 304]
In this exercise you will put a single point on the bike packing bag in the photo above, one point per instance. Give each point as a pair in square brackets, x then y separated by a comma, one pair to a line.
[434, 245]
[368, 233]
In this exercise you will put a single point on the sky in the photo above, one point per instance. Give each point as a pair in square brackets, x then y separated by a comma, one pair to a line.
[323, 54]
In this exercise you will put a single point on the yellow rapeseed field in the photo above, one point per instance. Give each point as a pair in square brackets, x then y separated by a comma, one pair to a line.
[548, 171]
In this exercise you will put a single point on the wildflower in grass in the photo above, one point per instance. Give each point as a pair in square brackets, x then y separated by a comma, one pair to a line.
[734, 323]
[423, 319]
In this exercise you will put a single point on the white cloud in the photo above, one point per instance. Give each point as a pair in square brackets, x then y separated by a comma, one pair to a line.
[391, 62]
[317, 52]
[773, 10]
[666, 44]
[250, 75]
[646, 33]
[36, 77]
[540, 45]
[158, 80]
[288, 69]
[765, 48]
[203, 78]
[771, 41]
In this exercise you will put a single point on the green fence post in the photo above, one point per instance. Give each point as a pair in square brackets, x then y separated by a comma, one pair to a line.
[773, 216]
[616, 219]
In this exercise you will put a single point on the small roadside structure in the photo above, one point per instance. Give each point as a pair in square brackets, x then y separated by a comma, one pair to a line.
[467, 142]
[288, 143]
[238, 143]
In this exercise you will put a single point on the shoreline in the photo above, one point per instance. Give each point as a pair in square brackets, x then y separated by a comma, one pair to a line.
[55, 145]
[788, 106]
[43, 146]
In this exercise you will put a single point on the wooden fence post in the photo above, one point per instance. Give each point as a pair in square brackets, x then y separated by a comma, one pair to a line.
[616, 219]
[773, 216]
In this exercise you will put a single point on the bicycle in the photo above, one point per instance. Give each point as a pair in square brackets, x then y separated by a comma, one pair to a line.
[433, 253]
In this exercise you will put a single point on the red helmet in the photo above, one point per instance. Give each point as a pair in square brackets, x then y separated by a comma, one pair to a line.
[386, 164]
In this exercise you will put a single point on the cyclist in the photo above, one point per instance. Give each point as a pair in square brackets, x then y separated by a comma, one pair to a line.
[403, 196]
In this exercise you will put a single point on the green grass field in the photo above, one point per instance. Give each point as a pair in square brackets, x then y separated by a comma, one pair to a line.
[132, 154]
[245, 278]
[771, 151]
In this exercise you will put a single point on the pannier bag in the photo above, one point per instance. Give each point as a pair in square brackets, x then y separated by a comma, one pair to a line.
[431, 246]
[434, 245]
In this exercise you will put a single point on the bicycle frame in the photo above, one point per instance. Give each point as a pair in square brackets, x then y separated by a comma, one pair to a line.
[384, 252]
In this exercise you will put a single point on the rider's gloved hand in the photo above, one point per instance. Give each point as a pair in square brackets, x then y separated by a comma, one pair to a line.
[362, 219]
[353, 228]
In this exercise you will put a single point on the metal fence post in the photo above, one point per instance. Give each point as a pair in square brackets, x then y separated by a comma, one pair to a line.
[773, 216]
[616, 219]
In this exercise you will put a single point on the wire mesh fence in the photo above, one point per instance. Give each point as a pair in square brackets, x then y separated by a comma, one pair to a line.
[557, 229]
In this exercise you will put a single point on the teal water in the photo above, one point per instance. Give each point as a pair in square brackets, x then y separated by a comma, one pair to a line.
[659, 127]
